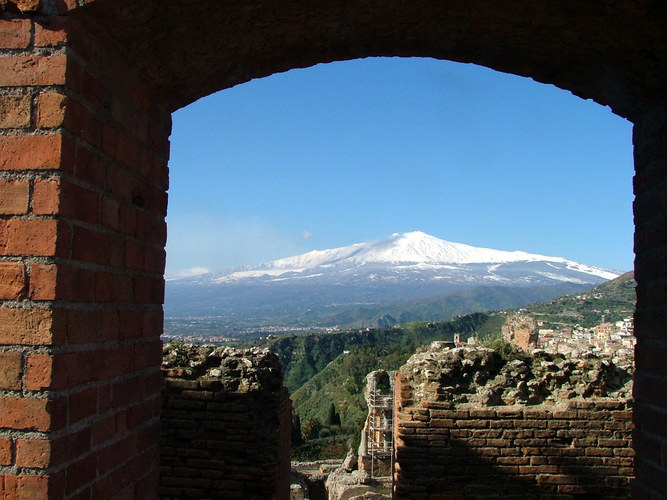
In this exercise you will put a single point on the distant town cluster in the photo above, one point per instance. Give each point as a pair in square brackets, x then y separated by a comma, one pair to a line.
[260, 332]
[606, 338]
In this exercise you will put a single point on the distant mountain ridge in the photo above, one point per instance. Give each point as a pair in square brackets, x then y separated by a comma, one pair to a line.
[303, 289]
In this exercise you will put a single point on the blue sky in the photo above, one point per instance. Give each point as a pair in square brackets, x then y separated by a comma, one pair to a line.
[354, 151]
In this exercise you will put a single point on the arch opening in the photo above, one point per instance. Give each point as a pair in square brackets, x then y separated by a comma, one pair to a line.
[232, 112]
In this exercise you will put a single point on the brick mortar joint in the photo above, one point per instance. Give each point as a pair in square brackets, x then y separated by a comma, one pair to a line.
[76, 348]
[63, 305]
[77, 264]
[26, 305]
[33, 51]
[29, 132]
[29, 175]
[33, 90]
[25, 394]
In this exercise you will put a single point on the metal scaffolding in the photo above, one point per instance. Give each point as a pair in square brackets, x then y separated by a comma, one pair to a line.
[380, 428]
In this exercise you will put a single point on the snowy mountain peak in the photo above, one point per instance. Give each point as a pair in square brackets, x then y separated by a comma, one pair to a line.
[418, 246]
[417, 251]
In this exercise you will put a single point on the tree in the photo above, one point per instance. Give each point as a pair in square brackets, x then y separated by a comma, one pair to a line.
[333, 417]
[296, 430]
[311, 429]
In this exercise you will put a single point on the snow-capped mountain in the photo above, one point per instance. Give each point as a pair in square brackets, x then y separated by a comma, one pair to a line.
[401, 267]
[420, 253]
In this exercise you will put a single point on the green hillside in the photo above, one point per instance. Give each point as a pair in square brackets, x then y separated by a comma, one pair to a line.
[612, 301]
[445, 307]
[304, 356]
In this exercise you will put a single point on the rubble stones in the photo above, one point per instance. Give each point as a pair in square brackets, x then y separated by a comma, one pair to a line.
[225, 367]
[482, 376]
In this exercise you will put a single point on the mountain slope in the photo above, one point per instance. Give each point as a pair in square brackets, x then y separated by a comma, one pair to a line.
[444, 307]
[609, 302]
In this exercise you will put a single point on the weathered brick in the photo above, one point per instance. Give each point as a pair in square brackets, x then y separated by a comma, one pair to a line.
[15, 110]
[81, 472]
[33, 453]
[83, 404]
[14, 197]
[476, 423]
[29, 152]
[15, 33]
[43, 281]
[52, 31]
[50, 110]
[82, 326]
[25, 487]
[482, 413]
[613, 443]
[38, 371]
[28, 237]
[55, 196]
[12, 281]
[509, 412]
[32, 70]
[554, 479]
[11, 364]
[6, 455]
[24, 413]
[92, 246]
[28, 326]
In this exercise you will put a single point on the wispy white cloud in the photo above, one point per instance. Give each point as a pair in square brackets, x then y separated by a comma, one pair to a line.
[307, 235]
[210, 242]
[186, 273]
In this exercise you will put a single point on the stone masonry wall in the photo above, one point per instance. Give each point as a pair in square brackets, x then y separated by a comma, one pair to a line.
[225, 425]
[450, 444]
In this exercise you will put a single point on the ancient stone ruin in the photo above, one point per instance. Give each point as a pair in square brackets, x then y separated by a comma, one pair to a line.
[470, 424]
[453, 421]
[225, 424]
[520, 330]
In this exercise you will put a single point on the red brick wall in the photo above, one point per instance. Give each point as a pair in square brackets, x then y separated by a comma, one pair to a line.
[218, 443]
[82, 182]
[650, 389]
[445, 451]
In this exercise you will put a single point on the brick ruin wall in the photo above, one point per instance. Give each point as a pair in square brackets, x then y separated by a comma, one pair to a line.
[520, 330]
[469, 425]
[225, 424]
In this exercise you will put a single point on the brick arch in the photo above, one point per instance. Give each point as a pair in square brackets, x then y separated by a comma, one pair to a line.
[85, 103]
[612, 52]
